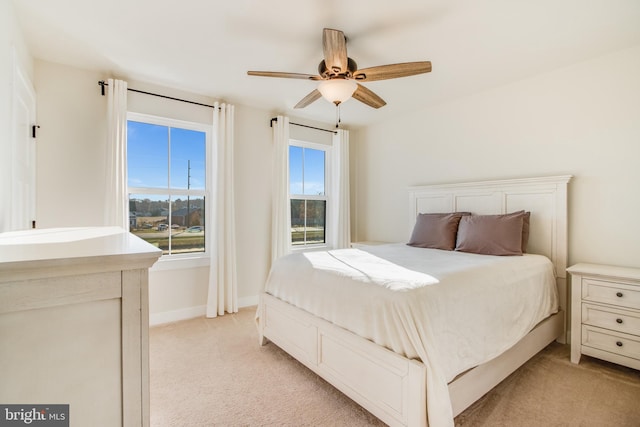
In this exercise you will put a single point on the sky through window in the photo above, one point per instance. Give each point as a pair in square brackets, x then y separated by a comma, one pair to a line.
[149, 148]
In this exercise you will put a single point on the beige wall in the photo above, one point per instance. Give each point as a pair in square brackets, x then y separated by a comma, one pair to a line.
[71, 146]
[71, 150]
[582, 120]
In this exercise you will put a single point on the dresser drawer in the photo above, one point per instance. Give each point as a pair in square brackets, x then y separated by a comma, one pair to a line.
[611, 318]
[618, 294]
[613, 342]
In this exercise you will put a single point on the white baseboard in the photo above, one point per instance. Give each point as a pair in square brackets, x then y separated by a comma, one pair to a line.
[192, 312]
[175, 315]
[248, 301]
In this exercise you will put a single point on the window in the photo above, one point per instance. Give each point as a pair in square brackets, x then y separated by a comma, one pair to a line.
[308, 172]
[167, 167]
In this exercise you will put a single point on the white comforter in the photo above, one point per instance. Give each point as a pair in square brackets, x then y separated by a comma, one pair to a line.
[451, 310]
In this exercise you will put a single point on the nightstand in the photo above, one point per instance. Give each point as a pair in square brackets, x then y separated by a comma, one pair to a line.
[605, 313]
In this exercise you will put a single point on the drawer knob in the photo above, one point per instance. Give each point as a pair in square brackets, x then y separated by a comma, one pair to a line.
[619, 343]
[619, 294]
[619, 320]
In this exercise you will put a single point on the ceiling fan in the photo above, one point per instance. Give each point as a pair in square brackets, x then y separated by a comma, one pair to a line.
[339, 75]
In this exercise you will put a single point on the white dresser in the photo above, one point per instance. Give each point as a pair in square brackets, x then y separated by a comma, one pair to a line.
[74, 323]
[605, 313]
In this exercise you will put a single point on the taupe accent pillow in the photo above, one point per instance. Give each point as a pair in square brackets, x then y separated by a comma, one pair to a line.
[436, 230]
[525, 231]
[491, 234]
[526, 217]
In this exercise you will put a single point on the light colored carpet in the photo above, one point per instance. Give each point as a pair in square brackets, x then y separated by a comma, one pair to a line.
[212, 372]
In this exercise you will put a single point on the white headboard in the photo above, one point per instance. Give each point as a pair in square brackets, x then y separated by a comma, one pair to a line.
[544, 197]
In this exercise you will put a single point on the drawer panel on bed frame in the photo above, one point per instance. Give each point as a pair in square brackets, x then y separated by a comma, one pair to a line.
[381, 380]
[388, 385]
[299, 339]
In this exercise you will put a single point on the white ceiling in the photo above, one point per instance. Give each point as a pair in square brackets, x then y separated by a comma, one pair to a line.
[207, 46]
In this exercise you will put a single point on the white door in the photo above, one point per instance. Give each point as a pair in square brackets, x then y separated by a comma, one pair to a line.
[23, 165]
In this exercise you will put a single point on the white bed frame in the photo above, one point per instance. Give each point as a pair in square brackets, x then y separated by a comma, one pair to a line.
[390, 386]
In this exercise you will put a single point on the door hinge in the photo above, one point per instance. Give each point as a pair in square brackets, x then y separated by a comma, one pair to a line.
[33, 224]
[33, 130]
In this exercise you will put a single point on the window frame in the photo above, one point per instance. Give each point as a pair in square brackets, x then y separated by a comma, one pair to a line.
[190, 259]
[327, 149]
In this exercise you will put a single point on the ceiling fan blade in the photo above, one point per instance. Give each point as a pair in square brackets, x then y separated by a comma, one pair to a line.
[284, 75]
[312, 97]
[392, 71]
[334, 46]
[367, 96]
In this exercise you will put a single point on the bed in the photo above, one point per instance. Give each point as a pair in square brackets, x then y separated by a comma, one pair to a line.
[388, 361]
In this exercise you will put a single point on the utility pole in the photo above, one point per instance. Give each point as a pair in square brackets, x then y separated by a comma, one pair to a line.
[187, 220]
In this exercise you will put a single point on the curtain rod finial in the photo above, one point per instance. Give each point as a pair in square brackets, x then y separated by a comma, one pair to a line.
[102, 84]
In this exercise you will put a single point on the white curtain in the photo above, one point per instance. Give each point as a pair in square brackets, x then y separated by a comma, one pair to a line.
[116, 200]
[220, 225]
[340, 210]
[281, 210]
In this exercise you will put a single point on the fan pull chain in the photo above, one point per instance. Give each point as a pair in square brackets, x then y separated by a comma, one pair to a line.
[338, 116]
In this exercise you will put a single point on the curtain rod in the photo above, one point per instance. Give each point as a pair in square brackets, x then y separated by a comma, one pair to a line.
[102, 84]
[275, 119]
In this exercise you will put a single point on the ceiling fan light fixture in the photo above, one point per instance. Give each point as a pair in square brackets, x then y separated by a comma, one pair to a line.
[337, 91]
[340, 77]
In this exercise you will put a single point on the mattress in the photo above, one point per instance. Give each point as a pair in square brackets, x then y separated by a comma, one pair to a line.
[451, 310]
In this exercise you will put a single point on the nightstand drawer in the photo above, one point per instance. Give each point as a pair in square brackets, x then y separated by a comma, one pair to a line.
[613, 342]
[614, 293]
[611, 318]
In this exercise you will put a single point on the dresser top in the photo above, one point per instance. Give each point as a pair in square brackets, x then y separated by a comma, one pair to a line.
[52, 249]
[605, 271]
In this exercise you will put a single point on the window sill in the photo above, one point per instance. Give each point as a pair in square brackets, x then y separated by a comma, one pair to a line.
[310, 248]
[180, 262]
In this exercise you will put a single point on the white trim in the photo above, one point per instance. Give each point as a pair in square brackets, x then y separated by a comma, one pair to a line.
[171, 316]
[21, 157]
[176, 315]
[166, 121]
[311, 247]
[163, 191]
[327, 197]
[194, 260]
[308, 144]
[546, 197]
[181, 261]
[248, 301]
